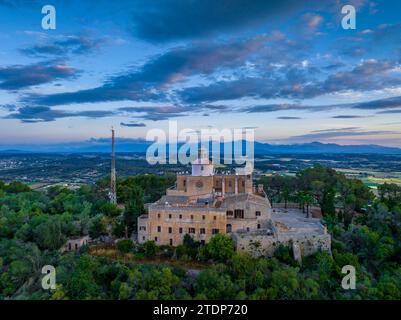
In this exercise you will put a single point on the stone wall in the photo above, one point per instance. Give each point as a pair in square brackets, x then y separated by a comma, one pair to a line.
[168, 226]
[261, 244]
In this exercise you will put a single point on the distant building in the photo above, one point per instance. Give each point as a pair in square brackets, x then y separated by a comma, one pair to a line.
[74, 244]
[204, 203]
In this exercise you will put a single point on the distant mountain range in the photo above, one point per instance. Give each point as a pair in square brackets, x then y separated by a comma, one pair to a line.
[140, 146]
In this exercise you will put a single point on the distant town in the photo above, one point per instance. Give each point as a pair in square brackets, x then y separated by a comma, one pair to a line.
[72, 169]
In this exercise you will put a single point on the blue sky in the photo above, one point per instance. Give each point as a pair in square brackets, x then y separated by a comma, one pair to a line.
[286, 68]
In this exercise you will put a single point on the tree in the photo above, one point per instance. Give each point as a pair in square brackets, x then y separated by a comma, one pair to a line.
[321, 183]
[220, 248]
[48, 235]
[133, 210]
[82, 283]
[17, 187]
[390, 194]
[110, 210]
[124, 246]
[309, 200]
[149, 249]
[214, 285]
[97, 227]
[301, 195]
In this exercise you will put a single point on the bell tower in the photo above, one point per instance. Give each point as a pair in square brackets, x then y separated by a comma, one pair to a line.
[202, 166]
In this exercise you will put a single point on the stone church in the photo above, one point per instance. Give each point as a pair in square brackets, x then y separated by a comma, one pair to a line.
[204, 203]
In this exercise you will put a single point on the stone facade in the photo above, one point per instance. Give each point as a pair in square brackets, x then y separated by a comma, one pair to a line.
[287, 227]
[74, 244]
[203, 204]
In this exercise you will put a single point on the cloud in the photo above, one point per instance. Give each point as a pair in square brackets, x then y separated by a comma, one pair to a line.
[336, 133]
[157, 113]
[148, 82]
[8, 107]
[46, 114]
[368, 75]
[175, 19]
[289, 118]
[297, 83]
[347, 117]
[336, 129]
[21, 77]
[17, 3]
[74, 44]
[354, 51]
[273, 108]
[389, 111]
[229, 90]
[132, 124]
[387, 103]
[310, 22]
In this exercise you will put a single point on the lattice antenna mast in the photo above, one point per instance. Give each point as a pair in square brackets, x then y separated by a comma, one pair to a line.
[113, 188]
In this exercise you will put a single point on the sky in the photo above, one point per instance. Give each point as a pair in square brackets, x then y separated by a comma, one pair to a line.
[286, 68]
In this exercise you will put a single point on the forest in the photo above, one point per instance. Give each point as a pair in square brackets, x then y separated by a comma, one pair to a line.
[365, 229]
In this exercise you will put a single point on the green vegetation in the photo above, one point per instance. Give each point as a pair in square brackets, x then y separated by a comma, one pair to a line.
[337, 196]
[34, 226]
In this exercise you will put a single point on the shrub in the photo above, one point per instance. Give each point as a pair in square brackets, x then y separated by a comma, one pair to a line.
[149, 249]
[124, 246]
[220, 248]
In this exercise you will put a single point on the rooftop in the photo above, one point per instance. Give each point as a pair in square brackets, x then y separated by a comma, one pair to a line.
[294, 221]
[208, 201]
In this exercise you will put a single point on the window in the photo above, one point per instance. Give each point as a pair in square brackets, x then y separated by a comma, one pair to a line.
[170, 230]
[156, 239]
[180, 216]
[229, 228]
[202, 168]
[258, 225]
[191, 230]
[239, 214]
[230, 213]
[215, 231]
[142, 228]
[202, 231]
[257, 213]
[159, 229]
[185, 183]
[180, 230]
[143, 238]
[171, 242]
[158, 216]
[214, 218]
[69, 246]
[192, 217]
[76, 246]
[169, 216]
[203, 217]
